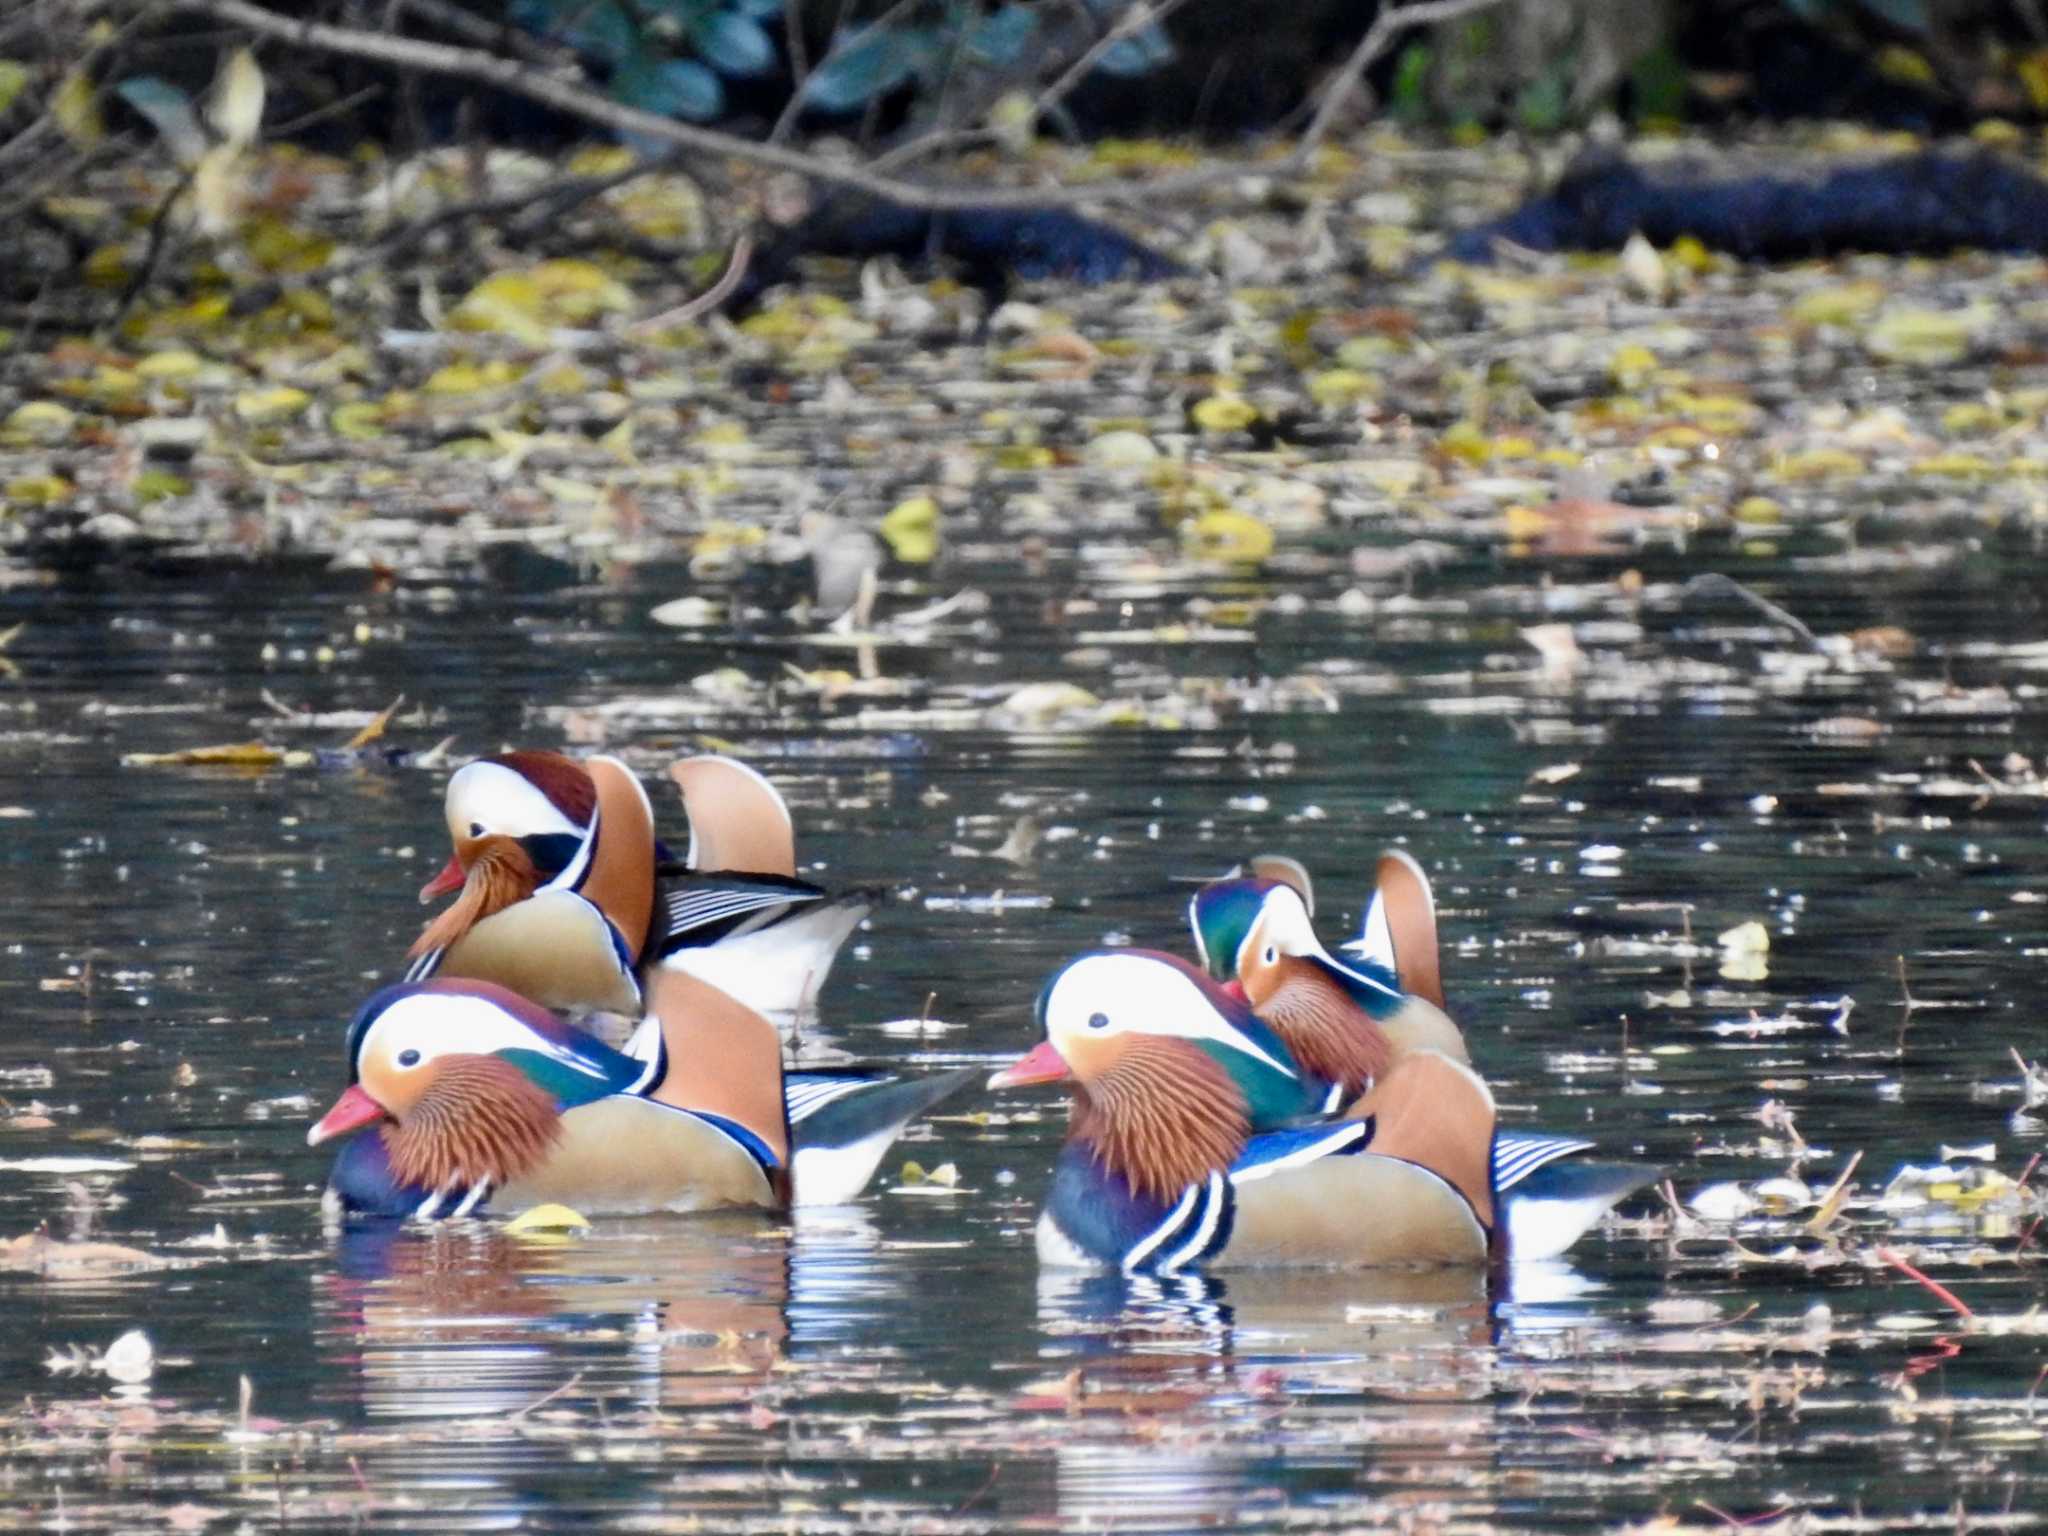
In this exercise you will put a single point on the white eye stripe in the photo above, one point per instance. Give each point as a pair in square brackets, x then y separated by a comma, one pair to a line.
[1137, 987]
[503, 800]
[440, 1024]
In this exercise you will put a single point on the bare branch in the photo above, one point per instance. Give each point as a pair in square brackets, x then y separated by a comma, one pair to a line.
[1389, 24]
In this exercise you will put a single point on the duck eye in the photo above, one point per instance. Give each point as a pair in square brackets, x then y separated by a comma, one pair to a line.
[408, 1058]
[476, 829]
[1098, 1021]
[1272, 955]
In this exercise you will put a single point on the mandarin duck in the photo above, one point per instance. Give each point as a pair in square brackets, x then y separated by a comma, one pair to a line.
[1349, 1024]
[531, 824]
[1166, 1167]
[478, 1095]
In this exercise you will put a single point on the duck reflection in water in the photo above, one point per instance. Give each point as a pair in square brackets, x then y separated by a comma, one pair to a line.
[1170, 1387]
[473, 1321]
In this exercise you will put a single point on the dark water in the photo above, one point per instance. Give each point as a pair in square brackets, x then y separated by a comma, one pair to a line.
[183, 946]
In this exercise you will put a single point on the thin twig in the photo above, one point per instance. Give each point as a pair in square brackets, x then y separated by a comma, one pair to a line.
[542, 1401]
[712, 297]
[1713, 583]
[152, 255]
[1941, 1291]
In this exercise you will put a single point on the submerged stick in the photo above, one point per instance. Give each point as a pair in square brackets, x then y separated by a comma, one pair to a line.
[1946, 1295]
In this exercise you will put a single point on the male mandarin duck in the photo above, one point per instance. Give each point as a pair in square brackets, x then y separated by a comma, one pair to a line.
[542, 826]
[1166, 1165]
[1349, 1024]
[479, 1095]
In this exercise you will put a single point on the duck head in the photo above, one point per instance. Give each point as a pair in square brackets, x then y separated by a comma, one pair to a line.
[1257, 936]
[466, 1082]
[542, 801]
[1170, 1074]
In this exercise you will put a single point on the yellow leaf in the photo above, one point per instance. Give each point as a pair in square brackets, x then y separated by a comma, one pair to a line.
[76, 107]
[235, 107]
[1341, 386]
[158, 485]
[1819, 464]
[1224, 413]
[1632, 365]
[1957, 466]
[375, 728]
[1229, 536]
[1759, 510]
[14, 76]
[40, 490]
[359, 419]
[1838, 303]
[174, 364]
[1972, 418]
[1464, 440]
[1904, 65]
[2033, 72]
[912, 529]
[41, 421]
[1930, 337]
[239, 754]
[549, 1218]
[601, 160]
[262, 407]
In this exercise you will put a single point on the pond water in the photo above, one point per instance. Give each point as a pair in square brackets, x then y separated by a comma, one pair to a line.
[183, 947]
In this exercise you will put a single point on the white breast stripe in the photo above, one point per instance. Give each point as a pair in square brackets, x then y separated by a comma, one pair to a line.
[426, 965]
[1215, 1201]
[1135, 1259]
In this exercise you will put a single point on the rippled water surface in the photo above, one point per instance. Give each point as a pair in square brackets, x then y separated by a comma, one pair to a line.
[184, 945]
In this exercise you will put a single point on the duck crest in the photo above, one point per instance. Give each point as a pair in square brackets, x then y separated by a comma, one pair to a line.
[1167, 1116]
[565, 782]
[482, 1120]
[501, 874]
[1324, 1028]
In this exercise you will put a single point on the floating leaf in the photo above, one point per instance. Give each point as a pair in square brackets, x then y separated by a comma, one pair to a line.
[41, 421]
[130, 1358]
[239, 754]
[1235, 537]
[912, 530]
[549, 1217]
[1224, 413]
[1931, 337]
[261, 407]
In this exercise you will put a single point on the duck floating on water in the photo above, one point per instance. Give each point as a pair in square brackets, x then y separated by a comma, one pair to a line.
[577, 838]
[1350, 1022]
[469, 1095]
[1166, 1167]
